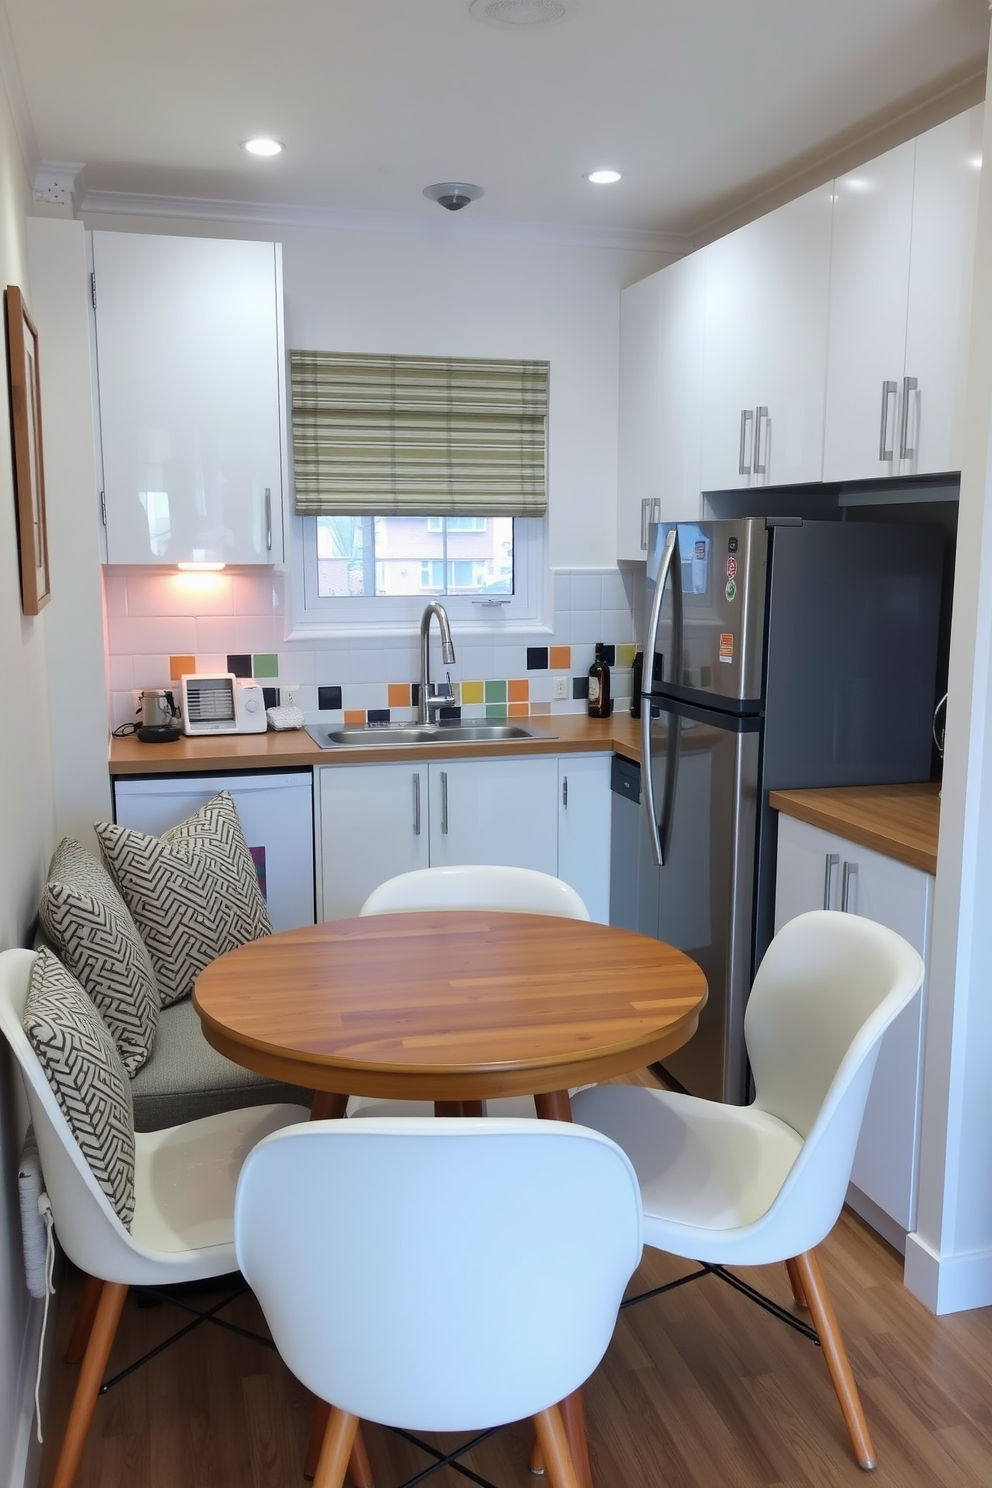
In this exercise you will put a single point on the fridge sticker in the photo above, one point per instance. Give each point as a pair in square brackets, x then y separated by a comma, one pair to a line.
[700, 551]
[726, 645]
[731, 568]
[731, 545]
[731, 590]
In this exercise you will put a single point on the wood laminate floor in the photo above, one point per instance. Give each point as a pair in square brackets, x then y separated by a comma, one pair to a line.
[699, 1388]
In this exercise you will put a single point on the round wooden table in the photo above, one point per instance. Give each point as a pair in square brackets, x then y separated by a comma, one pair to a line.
[449, 1005]
[453, 1007]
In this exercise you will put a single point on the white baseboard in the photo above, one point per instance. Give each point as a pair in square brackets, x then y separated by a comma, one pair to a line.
[882, 1223]
[25, 1457]
[948, 1283]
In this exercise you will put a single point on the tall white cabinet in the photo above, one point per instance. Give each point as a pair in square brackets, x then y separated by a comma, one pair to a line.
[764, 362]
[189, 353]
[819, 870]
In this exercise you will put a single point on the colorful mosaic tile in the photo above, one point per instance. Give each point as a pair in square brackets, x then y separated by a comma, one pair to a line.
[240, 665]
[265, 665]
[399, 695]
[625, 655]
[354, 718]
[473, 692]
[518, 690]
[537, 658]
[495, 710]
[496, 693]
[518, 710]
[580, 687]
[561, 658]
[536, 708]
[328, 698]
[181, 666]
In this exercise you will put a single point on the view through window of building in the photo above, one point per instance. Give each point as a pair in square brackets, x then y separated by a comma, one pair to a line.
[414, 555]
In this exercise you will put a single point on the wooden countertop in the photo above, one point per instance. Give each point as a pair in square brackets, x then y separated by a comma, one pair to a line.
[575, 733]
[901, 821]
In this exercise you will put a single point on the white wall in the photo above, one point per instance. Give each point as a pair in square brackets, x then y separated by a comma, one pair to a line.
[26, 836]
[949, 1257]
[439, 287]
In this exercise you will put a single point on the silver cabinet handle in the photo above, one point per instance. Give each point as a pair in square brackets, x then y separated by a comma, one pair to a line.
[564, 791]
[909, 385]
[759, 414]
[746, 417]
[832, 859]
[889, 391]
[655, 509]
[645, 508]
[416, 805]
[444, 803]
[850, 876]
[268, 519]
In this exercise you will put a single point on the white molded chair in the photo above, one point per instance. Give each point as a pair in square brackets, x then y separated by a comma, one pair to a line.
[183, 1225]
[753, 1185]
[477, 886]
[472, 886]
[439, 1276]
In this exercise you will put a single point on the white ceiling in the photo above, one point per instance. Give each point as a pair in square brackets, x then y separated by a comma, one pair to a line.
[703, 104]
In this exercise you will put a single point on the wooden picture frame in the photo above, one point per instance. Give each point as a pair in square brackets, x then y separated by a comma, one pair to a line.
[29, 472]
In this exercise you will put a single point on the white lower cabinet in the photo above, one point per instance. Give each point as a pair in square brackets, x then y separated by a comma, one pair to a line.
[380, 820]
[818, 870]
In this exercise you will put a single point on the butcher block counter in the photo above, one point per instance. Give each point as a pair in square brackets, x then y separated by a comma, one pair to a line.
[900, 821]
[574, 733]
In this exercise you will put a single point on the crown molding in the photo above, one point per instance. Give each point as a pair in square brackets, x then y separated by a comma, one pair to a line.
[395, 224]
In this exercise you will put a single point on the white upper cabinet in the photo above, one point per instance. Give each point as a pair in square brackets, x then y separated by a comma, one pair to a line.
[901, 274]
[191, 398]
[661, 369]
[941, 269]
[764, 366]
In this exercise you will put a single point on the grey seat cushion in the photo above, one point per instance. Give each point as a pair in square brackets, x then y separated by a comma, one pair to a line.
[185, 1078]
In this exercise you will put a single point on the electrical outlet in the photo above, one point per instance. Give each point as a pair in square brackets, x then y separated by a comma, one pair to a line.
[559, 687]
[290, 696]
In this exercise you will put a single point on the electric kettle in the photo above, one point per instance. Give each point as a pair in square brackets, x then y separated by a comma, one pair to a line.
[159, 716]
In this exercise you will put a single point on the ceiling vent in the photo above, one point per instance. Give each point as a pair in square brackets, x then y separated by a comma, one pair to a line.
[521, 12]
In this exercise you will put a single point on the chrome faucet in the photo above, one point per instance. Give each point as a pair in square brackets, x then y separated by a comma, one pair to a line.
[427, 701]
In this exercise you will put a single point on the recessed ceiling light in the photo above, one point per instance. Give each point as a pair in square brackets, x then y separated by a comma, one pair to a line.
[453, 194]
[519, 13]
[262, 146]
[604, 177]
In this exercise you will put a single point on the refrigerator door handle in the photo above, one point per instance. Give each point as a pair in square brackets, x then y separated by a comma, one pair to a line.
[670, 567]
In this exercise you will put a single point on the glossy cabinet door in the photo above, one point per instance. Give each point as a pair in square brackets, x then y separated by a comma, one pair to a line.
[941, 270]
[502, 811]
[869, 290]
[818, 870]
[191, 398]
[584, 812]
[372, 825]
[660, 410]
[767, 289]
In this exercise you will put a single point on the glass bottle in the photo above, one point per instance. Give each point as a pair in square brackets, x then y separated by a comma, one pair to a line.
[599, 686]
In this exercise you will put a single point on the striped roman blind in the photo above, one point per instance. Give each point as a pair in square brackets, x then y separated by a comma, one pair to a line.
[418, 436]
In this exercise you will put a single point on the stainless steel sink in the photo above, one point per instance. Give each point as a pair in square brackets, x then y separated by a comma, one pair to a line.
[469, 732]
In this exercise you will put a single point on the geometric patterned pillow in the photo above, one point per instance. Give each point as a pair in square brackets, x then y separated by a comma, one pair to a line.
[193, 892]
[90, 927]
[83, 1068]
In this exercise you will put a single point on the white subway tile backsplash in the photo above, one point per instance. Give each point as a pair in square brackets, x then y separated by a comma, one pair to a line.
[114, 592]
[168, 634]
[189, 594]
[587, 629]
[587, 591]
[119, 673]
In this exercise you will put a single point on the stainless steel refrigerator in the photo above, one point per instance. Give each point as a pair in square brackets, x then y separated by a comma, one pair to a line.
[785, 654]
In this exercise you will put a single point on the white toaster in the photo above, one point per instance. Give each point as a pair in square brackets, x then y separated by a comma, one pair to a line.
[221, 703]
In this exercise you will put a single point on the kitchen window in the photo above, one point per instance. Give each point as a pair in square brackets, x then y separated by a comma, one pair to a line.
[417, 478]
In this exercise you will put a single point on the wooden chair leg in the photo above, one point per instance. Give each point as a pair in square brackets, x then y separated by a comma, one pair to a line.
[573, 1416]
[536, 1463]
[839, 1365]
[555, 1447]
[798, 1295]
[83, 1325]
[98, 1348]
[328, 1106]
[359, 1466]
[334, 1454]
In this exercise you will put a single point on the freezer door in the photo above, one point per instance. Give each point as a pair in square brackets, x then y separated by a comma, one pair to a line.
[276, 814]
[723, 569]
[705, 894]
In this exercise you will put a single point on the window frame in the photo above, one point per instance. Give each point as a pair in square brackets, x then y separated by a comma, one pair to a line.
[525, 611]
